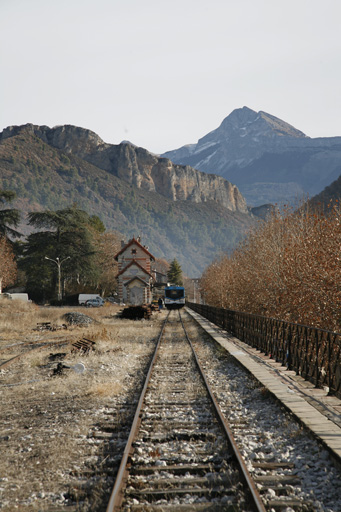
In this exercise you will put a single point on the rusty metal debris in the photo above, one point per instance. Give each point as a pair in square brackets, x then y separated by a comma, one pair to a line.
[57, 357]
[59, 369]
[84, 346]
[47, 326]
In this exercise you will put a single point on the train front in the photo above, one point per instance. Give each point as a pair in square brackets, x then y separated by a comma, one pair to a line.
[174, 297]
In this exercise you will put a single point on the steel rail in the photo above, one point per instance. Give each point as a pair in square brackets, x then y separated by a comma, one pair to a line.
[258, 502]
[4, 364]
[117, 495]
[32, 344]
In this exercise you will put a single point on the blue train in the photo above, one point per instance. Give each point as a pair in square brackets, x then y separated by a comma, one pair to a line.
[174, 297]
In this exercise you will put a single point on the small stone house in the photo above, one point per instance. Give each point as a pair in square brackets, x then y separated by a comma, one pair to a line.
[134, 273]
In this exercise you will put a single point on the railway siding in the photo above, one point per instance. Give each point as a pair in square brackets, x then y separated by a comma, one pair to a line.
[281, 383]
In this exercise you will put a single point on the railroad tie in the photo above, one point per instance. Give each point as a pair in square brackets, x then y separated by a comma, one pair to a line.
[84, 345]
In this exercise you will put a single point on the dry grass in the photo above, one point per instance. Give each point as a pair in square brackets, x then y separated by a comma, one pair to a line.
[18, 317]
[46, 420]
[105, 389]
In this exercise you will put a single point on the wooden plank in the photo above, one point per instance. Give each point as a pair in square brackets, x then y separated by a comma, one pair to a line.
[229, 506]
[291, 502]
[273, 465]
[176, 491]
[276, 479]
[204, 482]
[179, 469]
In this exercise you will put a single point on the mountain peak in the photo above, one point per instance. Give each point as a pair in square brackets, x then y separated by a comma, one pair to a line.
[243, 114]
[244, 121]
[268, 159]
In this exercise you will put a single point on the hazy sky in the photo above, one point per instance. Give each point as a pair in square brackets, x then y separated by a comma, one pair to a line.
[164, 73]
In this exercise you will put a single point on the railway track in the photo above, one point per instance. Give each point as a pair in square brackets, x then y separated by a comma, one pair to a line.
[267, 436]
[180, 452]
[178, 457]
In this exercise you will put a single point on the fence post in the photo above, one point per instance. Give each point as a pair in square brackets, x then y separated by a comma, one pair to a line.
[317, 358]
[288, 354]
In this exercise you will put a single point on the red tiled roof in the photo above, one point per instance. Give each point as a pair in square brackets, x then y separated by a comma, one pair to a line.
[134, 241]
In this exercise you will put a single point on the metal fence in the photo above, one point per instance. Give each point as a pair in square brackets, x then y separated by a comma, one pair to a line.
[315, 354]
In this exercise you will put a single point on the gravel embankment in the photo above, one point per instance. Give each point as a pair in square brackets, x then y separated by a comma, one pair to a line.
[266, 431]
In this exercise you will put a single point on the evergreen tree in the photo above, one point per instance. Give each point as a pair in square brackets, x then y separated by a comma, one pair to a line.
[97, 224]
[8, 217]
[175, 273]
[65, 234]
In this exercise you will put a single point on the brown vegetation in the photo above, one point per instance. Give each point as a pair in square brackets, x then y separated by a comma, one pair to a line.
[287, 268]
[107, 244]
[8, 267]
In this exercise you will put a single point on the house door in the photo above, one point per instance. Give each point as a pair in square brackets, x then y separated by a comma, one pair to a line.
[136, 295]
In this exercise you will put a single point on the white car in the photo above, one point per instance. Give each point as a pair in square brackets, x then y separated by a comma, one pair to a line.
[94, 303]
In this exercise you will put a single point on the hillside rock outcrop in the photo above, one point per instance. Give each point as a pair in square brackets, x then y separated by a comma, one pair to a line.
[144, 170]
[139, 167]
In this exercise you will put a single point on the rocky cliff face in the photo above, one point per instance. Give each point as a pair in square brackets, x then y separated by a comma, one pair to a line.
[268, 159]
[139, 167]
[177, 182]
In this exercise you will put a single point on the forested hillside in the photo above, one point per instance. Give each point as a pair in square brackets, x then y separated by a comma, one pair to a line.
[332, 193]
[44, 177]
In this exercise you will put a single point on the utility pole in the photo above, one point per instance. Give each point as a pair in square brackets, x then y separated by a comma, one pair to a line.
[58, 262]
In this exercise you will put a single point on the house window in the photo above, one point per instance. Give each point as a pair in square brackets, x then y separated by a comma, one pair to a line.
[133, 251]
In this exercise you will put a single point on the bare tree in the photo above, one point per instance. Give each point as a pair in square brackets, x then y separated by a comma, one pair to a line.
[8, 267]
[107, 245]
[288, 268]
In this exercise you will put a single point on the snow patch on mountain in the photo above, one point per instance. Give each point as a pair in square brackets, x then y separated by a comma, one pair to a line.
[250, 148]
